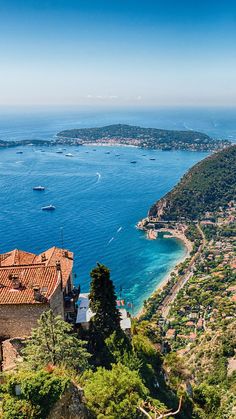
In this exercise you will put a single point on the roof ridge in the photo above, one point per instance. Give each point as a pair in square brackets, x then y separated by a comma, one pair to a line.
[36, 265]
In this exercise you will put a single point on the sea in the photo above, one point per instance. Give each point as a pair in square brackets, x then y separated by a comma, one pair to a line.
[98, 193]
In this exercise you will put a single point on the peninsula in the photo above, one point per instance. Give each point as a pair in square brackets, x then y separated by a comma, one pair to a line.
[152, 138]
[128, 135]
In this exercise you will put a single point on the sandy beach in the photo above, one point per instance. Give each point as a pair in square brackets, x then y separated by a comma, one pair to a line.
[174, 233]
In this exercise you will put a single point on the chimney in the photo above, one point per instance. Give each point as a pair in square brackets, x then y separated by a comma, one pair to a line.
[37, 294]
[66, 253]
[58, 265]
[16, 284]
[43, 257]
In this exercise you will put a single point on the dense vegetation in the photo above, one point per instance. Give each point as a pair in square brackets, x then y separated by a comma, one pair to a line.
[143, 137]
[31, 394]
[120, 373]
[125, 375]
[208, 186]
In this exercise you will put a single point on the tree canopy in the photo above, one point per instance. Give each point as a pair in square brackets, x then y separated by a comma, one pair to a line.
[114, 393]
[103, 303]
[53, 343]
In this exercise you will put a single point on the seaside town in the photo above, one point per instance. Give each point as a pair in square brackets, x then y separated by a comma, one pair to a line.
[150, 138]
[201, 292]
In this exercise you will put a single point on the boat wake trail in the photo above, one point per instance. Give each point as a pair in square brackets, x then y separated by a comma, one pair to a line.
[113, 238]
[98, 177]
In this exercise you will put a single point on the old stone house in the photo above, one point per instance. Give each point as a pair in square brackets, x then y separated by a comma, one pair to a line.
[31, 284]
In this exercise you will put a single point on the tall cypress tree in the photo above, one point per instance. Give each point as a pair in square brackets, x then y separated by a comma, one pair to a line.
[103, 303]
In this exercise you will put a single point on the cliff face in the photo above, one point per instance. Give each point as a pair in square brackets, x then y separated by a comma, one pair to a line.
[70, 406]
[158, 209]
[206, 187]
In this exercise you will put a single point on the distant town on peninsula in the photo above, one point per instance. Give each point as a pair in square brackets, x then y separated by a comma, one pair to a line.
[128, 135]
[141, 137]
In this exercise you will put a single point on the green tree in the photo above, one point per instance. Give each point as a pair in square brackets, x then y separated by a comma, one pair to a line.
[52, 342]
[103, 303]
[18, 409]
[114, 393]
[38, 392]
[121, 350]
[208, 397]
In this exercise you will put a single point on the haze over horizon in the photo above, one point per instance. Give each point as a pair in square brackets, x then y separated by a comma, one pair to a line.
[117, 53]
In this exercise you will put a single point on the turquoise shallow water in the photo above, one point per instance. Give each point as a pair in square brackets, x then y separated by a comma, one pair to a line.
[99, 197]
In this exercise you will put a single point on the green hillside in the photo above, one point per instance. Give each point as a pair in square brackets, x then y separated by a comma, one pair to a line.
[209, 185]
[143, 137]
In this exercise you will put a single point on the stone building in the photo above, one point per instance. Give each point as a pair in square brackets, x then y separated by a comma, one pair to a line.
[31, 284]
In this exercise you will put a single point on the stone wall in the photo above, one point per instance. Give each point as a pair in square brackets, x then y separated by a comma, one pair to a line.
[57, 301]
[17, 320]
[11, 353]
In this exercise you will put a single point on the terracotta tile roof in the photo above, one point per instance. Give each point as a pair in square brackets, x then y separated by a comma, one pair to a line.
[32, 270]
[170, 334]
[54, 254]
[45, 278]
[16, 257]
[190, 324]
[233, 298]
[232, 288]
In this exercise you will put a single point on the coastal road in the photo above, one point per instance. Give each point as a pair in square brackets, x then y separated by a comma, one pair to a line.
[170, 298]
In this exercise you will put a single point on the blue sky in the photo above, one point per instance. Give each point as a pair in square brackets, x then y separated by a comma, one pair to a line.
[117, 52]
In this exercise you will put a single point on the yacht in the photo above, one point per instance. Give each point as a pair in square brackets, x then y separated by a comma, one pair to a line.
[133, 161]
[69, 155]
[48, 208]
[38, 188]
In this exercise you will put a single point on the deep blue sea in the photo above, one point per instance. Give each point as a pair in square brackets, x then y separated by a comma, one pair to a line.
[99, 197]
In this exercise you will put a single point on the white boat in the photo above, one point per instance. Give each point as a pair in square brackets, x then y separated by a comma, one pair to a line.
[48, 208]
[38, 188]
[69, 155]
[59, 151]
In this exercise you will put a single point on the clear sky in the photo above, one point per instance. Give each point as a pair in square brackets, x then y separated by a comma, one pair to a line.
[118, 52]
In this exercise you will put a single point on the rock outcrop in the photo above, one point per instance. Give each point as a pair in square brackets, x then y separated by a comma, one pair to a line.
[71, 405]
